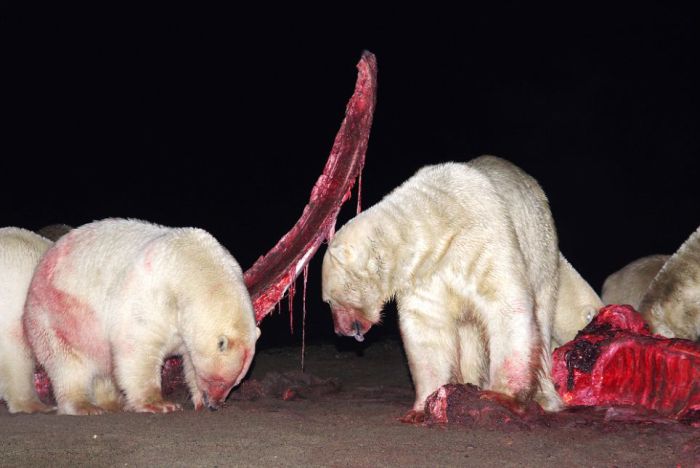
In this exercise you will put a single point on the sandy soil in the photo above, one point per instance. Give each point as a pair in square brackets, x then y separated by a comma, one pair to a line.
[355, 425]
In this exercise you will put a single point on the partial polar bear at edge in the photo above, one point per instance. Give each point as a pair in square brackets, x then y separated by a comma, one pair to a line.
[671, 304]
[20, 251]
[629, 284]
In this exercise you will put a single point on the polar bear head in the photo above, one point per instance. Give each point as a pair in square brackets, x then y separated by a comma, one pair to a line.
[353, 282]
[215, 316]
[220, 344]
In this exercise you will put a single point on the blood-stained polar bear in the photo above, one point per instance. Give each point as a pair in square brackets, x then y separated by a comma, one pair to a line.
[470, 253]
[111, 299]
[20, 251]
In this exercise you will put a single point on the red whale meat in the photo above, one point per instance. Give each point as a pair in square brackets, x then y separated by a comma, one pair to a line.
[615, 370]
[616, 361]
[276, 272]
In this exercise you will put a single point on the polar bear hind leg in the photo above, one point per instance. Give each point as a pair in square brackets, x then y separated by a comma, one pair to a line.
[140, 378]
[74, 385]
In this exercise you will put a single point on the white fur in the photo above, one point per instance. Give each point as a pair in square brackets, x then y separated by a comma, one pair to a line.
[111, 299]
[20, 251]
[671, 304]
[577, 304]
[470, 253]
[629, 284]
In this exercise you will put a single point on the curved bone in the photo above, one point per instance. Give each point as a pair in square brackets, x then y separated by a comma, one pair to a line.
[271, 275]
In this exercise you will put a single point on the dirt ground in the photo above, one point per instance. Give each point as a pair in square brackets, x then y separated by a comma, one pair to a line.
[354, 424]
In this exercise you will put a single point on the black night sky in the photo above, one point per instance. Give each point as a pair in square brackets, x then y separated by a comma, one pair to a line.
[223, 119]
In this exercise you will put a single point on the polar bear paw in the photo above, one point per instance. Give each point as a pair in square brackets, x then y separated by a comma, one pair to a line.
[161, 406]
[29, 406]
[413, 417]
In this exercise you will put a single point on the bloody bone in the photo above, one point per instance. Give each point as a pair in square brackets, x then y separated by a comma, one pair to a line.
[466, 405]
[616, 361]
[271, 275]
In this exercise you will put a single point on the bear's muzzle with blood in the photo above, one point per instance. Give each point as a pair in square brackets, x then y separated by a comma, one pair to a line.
[349, 322]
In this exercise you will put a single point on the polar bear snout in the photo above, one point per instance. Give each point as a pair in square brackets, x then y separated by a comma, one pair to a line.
[350, 322]
[215, 391]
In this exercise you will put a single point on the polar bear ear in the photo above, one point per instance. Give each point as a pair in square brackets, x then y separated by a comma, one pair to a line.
[257, 333]
[343, 253]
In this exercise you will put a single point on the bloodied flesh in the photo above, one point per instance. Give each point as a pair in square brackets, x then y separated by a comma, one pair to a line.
[614, 371]
[615, 360]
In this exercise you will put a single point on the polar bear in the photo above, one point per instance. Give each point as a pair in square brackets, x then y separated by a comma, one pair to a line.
[671, 304]
[54, 231]
[577, 304]
[628, 284]
[469, 251]
[20, 251]
[112, 299]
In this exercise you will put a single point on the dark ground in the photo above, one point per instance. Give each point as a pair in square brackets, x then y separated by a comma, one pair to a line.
[356, 426]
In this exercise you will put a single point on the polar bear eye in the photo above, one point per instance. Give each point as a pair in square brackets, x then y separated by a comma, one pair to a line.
[591, 313]
[222, 344]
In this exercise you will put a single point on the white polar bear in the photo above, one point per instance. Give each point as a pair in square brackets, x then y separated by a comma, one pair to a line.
[112, 299]
[470, 253]
[629, 284]
[577, 304]
[20, 251]
[671, 304]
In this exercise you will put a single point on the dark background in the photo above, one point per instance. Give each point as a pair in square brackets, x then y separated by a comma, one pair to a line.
[223, 119]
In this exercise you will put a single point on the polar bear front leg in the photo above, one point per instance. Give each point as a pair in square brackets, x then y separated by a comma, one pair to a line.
[191, 379]
[429, 340]
[546, 395]
[514, 346]
[139, 377]
[472, 353]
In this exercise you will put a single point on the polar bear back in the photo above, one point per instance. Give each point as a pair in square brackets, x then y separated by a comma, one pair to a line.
[105, 263]
[95, 262]
[528, 209]
[439, 221]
